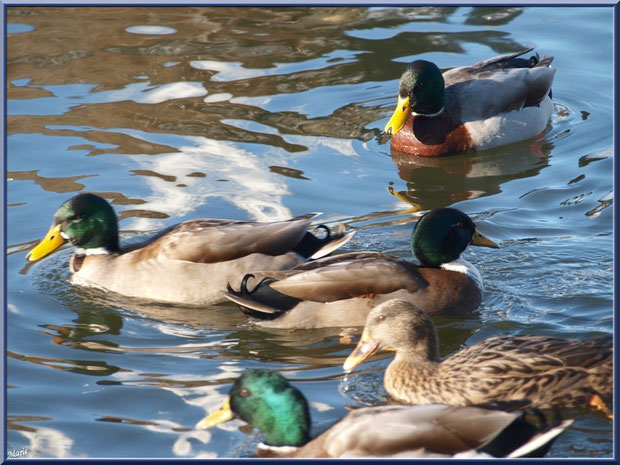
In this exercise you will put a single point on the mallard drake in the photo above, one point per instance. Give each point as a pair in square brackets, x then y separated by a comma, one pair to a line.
[189, 263]
[340, 290]
[267, 401]
[547, 371]
[494, 102]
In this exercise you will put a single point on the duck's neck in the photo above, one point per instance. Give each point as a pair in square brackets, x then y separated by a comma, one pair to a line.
[285, 423]
[286, 433]
[408, 378]
[428, 355]
[92, 251]
[266, 451]
[429, 115]
[460, 265]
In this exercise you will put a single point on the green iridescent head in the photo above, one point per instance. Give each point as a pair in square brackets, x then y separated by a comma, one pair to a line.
[443, 234]
[267, 401]
[86, 221]
[421, 90]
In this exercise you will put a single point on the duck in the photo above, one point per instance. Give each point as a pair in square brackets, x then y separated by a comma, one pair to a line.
[499, 101]
[189, 263]
[266, 400]
[340, 290]
[544, 370]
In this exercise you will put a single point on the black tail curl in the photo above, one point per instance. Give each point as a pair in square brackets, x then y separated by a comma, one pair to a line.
[531, 422]
[310, 243]
[243, 289]
[264, 295]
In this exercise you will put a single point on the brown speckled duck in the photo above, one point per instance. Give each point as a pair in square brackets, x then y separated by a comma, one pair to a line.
[190, 263]
[339, 291]
[267, 401]
[547, 371]
[498, 101]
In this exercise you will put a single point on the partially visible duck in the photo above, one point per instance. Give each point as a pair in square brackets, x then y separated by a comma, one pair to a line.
[498, 101]
[189, 263]
[340, 290]
[547, 371]
[267, 401]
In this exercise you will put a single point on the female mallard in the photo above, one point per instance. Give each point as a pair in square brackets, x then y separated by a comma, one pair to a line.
[547, 371]
[341, 290]
[495, 102]
[189, 263]
[266, 400]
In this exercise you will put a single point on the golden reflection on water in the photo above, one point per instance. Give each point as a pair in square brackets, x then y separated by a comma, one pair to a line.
[137, 82]
[109, 58]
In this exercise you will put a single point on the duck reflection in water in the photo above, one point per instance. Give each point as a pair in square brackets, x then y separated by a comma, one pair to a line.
[439, 181]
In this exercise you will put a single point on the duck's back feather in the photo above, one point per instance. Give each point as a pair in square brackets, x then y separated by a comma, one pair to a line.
[427, 431]
[497, 86]
[546, 370]
[519, 354]
[213, 240]
[348, 275]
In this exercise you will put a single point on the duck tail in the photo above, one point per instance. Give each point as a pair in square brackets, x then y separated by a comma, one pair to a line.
[539, 444]
[546, 62]
[313, 247]
[529, 435]
[262, 302]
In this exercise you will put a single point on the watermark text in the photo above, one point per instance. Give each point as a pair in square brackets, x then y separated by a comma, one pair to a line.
[15, 453]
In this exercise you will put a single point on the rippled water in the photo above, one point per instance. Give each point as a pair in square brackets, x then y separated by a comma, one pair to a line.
[263, 113]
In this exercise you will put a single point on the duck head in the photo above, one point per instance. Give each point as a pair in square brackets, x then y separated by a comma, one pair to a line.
[421, 91]
[442, 235]
[266, 400]
[86, 221]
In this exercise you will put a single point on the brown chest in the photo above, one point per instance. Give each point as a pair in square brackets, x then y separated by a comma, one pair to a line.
[432, 137]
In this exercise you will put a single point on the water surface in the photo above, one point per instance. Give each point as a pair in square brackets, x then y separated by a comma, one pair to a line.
[260, 114]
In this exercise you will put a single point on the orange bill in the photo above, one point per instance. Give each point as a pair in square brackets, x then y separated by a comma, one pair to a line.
[364, 349]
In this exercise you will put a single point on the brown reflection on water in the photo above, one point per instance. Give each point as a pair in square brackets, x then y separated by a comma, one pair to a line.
[59, 185]
[91, 45]
[84, 367]
[11, 422]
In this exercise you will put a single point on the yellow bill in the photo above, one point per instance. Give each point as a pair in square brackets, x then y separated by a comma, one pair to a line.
[222, 415]
[364, 349]
[399, 117]
[50, 242]
[483, 241]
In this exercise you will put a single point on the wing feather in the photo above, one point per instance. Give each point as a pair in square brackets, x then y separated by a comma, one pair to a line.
[348, 275]
[499, 85]
[210, 241]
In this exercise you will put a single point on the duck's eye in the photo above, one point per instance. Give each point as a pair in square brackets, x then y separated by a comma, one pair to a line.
[418, 86]
[245, 392]
[381, 318]
[75, 218]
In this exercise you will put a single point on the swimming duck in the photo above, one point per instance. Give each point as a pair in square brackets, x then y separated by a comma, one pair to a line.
[547, 371]
[189, 263]
[340, 290]
[499, 101]
[267, 401]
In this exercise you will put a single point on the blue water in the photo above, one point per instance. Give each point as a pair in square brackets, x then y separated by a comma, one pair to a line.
[261, 114]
